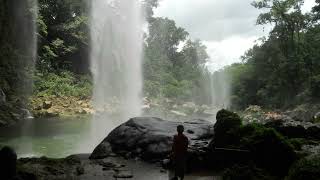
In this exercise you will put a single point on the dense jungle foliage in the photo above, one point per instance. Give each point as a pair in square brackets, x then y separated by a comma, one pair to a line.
[281, 70]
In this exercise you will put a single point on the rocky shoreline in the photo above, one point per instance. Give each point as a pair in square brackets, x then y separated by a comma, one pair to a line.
[60, 106]
[54, 106]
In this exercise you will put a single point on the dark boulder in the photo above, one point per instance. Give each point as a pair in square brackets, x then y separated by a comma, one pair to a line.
[226, 129]
[8, 163]
[306, 168]
[234, 143]
[269, 149]
[296, 129]
[151, 138]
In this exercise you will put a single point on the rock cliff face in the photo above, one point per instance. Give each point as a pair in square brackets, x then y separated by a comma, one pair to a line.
[150, 138]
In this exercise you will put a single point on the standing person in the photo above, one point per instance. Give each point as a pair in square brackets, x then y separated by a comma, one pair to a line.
[179, 152]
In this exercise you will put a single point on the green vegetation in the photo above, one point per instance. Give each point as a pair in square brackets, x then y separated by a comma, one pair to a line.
[63, 84]
[282, 70]
[171, 72]
[62, 66]
[63, 36]
[278, 72]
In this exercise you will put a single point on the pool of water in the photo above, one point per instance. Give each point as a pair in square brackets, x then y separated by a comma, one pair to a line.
[51, 137]
[59, 136]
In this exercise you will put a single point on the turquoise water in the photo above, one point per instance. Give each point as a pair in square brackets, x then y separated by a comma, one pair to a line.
[52, 137]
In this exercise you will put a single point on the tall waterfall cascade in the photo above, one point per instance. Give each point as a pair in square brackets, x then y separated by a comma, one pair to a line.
[220, 90]
[116, 55]
[24, 39]
[23, 21]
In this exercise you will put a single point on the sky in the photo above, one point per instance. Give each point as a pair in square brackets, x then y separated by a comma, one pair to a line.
[226, 27]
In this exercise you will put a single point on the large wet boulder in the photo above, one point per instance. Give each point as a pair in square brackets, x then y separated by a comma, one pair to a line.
[151, 138]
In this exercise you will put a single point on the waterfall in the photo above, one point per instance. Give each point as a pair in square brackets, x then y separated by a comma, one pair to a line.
[220, 90]
[116, 49]
[23, 37]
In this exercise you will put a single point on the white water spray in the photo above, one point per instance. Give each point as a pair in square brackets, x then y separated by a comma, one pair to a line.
[220, 90]
[116, 49]
[24, 28]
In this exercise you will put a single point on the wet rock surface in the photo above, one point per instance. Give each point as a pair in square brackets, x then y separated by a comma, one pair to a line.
[53, 106]
[151, 138]
[293, 124]
[80, 167]
[296, 129]
[10, 115]
[304, 112]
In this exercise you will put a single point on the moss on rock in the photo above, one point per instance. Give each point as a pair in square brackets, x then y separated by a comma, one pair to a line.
[305, 169]
[226, 129]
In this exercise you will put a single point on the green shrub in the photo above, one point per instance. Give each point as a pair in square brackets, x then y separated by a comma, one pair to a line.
[305, 169]
[63, 84]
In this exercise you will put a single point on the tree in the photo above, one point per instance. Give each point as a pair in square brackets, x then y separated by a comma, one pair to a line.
[63, 36]
[316, 10]
[282, 70]
[287, 18]
[172, 72]
[148, 6]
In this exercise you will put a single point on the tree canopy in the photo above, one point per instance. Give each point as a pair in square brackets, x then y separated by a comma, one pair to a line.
[282, 70]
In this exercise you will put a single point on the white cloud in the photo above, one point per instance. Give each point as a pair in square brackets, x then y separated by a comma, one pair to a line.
[212, 19]
[227, 51]
[227, 27]
[308, 4]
